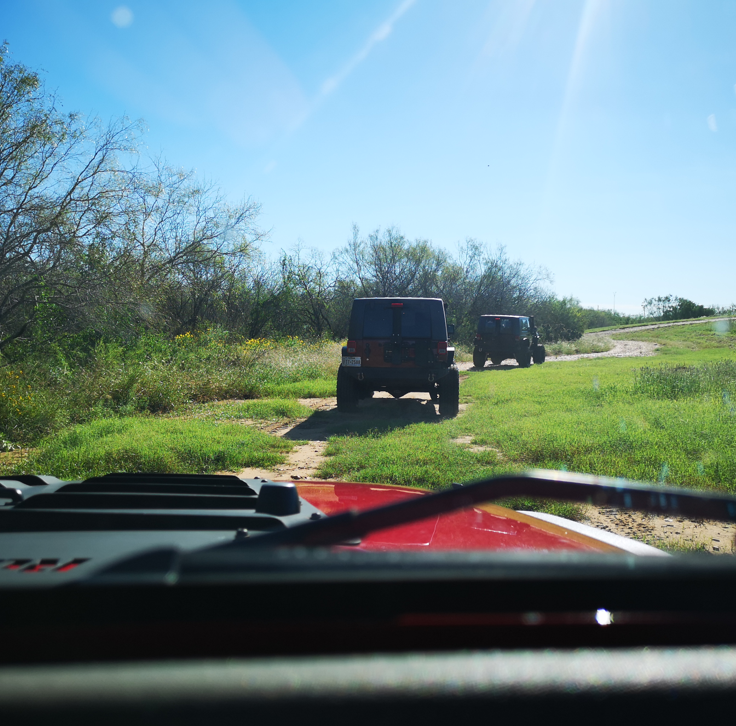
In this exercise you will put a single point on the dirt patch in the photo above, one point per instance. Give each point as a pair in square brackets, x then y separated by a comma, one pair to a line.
[10, 459]
[621, 349]
[681, 533]
[302, 463]
[466, 443]
[304, 460]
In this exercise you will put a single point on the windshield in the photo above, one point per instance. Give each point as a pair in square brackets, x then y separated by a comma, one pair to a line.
[194, 199]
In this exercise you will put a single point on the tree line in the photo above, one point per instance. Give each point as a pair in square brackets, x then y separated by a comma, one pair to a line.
[97, 241]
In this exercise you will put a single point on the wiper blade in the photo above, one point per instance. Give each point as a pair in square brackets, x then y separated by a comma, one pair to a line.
[545, 484]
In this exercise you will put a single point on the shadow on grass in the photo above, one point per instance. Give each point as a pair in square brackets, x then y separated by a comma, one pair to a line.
[379, 415]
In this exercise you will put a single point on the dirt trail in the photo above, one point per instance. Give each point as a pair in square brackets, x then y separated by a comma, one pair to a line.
[621, 349]
[305, 459]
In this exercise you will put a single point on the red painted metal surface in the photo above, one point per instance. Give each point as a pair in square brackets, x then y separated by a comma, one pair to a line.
[476, 528]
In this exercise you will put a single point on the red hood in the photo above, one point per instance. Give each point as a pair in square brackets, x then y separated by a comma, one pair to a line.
[484, 527]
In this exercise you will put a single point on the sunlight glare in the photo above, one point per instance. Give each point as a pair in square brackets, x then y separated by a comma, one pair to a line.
[122, 16]
[590, 12]
[381, 33]
[509, 25]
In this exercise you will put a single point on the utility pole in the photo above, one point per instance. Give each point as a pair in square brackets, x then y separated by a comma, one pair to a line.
[614, 303]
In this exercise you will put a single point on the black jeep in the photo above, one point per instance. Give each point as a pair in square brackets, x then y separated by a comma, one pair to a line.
[507, 336]
[398, 344]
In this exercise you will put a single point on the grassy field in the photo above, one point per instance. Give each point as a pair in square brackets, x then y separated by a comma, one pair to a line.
[62, 388]
[668, 419]
[156, 444]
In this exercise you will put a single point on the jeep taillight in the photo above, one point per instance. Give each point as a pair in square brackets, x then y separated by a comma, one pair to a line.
[351, 346]
[442, 349]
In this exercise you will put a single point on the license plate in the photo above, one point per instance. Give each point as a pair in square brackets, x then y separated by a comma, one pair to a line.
[351, 361]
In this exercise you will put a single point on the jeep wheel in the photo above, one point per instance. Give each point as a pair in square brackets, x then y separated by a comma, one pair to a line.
[347, 392]
[450, 393]
[479, 359]
[539, 354]
[524, 359]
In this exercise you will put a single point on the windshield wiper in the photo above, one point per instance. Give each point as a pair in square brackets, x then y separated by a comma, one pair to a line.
[545, 484]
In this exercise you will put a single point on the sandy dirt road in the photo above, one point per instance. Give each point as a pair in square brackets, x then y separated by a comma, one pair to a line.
[305, 459]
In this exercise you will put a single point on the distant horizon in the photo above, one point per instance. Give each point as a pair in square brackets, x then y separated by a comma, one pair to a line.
[594, 139]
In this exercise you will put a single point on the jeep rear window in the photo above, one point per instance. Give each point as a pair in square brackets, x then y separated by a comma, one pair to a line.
[489, 325]
[378, 321]
[415, 320]
[415, 323]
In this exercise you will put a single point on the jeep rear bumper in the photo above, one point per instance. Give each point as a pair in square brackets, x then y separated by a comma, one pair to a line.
[410, 379]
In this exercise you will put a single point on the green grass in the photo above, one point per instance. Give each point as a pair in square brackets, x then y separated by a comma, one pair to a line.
[670, 420]
[710, 379]
[634, 418]
[312, 388]
[258, 409]
[63, 388]
[591, 417]
[417, 455]
[155, 444]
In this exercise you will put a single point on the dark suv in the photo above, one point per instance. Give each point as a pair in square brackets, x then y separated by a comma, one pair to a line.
[398, 344]
[507, 336]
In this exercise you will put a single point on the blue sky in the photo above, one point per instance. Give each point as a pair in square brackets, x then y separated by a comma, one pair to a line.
[596, 138]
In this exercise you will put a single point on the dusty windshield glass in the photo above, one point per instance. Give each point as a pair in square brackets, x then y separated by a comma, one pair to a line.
[193, 198]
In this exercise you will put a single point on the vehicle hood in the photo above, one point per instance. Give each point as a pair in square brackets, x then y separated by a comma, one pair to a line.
[54, 532]
[482, 527]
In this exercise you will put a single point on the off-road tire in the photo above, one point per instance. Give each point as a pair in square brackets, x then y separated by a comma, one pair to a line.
[496, 361]
[539, 354]
[479, 359]
[347, 392]
[524, 359]
[449, 390]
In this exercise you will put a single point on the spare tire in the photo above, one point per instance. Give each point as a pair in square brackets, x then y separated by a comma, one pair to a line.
[347, 392]
[449, 390]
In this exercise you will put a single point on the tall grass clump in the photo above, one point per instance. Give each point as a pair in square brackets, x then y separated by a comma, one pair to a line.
[715, 378]
[71, 384]
[145, 444]
[296, 368]
[578, 347]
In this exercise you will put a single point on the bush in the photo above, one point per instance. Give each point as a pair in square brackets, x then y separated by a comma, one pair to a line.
[673, 382]
[155, 375]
